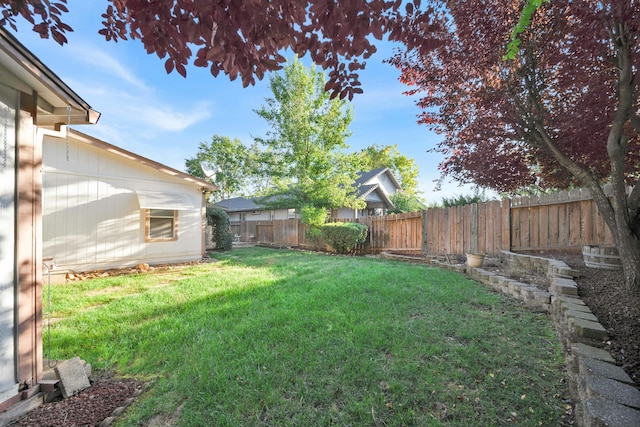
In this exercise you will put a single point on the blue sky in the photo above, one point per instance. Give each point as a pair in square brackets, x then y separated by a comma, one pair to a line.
[165, 117]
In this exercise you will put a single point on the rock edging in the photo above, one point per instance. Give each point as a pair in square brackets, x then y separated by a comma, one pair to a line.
[603, 394]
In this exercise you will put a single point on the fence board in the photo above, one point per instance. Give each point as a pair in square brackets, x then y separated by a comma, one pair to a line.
[482, 227]
[471, 229]
[554, 225]
[534, 227]
[506, 224]
[586, 222]
[574, 224]
[544, 224]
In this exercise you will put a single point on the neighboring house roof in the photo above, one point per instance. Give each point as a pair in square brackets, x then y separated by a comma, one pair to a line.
[53, 95]
[238, 204]
[367, 177]
[368, 189]
[87, 139]
[368, 184]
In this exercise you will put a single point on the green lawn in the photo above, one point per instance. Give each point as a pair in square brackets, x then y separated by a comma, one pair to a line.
[287, 338]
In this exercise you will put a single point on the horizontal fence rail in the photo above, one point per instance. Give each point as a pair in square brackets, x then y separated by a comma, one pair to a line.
[566, 220]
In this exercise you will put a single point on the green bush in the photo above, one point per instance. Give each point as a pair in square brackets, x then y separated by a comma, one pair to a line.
[344, 236]
[313, 217]
[219, 220]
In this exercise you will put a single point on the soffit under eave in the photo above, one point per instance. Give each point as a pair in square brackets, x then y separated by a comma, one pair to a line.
[31, 76]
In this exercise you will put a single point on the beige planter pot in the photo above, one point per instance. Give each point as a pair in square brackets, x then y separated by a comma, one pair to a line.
[475, 260]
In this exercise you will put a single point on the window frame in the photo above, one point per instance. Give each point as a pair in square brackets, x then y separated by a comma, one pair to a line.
[147, 226]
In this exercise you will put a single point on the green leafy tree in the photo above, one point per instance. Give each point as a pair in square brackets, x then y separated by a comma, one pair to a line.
[464, 199]
[303, 153]
[406, 202]
[224, 161]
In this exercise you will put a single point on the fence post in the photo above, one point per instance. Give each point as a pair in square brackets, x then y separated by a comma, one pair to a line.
[424, 231]
[506, 224]
[473, 228]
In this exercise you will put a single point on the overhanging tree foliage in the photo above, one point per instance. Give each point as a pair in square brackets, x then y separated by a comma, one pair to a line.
[564, 111]
[229, 161]
[246, 38]
[303, 153]
[406, 202]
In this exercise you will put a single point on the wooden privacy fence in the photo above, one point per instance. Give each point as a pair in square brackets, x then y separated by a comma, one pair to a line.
[397, 233]
[566, 220]
[562, 220]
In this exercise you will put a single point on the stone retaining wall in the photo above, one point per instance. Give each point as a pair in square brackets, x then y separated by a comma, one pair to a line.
[603, 394]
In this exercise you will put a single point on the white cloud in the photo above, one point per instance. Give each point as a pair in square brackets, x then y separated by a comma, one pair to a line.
[168, 118]
[102, 62]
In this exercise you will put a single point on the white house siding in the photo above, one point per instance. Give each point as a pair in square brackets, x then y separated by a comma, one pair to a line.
[91, 213]
[284, 214]
[249, 216]
[8, 104]
[347, 213]
[387, 185]
[260, 215]
[257, 216]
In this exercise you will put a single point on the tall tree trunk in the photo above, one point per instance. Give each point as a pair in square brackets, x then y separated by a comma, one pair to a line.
[616, 216]
[622, 226]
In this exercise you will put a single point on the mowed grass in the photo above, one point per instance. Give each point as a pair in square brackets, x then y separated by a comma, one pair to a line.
[288, 338]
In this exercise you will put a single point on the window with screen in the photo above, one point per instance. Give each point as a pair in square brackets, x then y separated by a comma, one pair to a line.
[162, 225]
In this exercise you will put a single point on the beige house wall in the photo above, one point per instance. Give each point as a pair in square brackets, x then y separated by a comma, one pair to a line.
[92, 218]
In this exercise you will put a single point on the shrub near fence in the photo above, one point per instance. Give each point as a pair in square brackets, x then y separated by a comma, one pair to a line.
[566, 220]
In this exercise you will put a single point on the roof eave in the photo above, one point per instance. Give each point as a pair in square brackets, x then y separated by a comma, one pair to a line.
[57, 104]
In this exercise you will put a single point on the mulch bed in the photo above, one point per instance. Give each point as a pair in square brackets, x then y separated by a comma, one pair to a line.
[90, 407]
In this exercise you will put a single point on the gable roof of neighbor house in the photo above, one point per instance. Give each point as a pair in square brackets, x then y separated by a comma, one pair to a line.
[95, 142]
[366, 183]
[53, 95]
[367, 177]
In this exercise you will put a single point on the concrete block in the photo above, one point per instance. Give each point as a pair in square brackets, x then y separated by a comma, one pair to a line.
[73, 377]
[584, 350]
[564, 286]
[584, 315]
[542, 297]
[514, 289]
[594, 386]
[590, 366]
[567, 299]
[588, 329]
[605, 413]
[566, 306]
